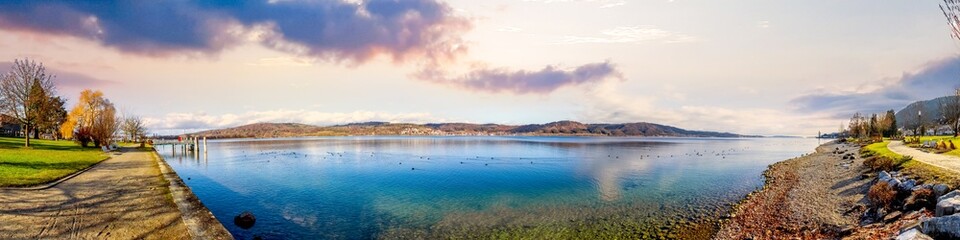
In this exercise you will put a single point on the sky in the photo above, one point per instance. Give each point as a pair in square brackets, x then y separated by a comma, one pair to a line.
[743, 66]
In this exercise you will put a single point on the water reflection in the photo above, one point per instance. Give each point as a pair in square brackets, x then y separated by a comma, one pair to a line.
[609, 171]
[364, 187]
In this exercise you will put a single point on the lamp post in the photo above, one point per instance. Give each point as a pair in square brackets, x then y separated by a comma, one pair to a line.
[919, 124]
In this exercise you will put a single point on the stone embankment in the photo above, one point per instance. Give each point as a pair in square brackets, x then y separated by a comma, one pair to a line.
[918, 200]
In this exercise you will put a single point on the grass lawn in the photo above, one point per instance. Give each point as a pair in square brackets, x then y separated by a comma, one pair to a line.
[924, 172]
[43, 162]
[880, 149]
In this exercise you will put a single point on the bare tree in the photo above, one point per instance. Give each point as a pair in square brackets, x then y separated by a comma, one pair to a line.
[134, 128]
[950, 111]
[951, 11]
[105, 122]
[15, 93]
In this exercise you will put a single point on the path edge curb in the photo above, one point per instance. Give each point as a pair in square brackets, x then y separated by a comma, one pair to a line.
[199, 221]
[58, 181]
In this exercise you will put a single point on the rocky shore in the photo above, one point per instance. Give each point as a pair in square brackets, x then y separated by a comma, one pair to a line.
[827, 195]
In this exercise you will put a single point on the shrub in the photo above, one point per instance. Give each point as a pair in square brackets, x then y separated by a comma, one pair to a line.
[879, 163]
[881, 195]
[921, 198]
[83, 136]
[906, 159]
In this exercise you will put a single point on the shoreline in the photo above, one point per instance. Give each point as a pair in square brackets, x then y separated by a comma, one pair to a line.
[822, 195]
[199, 221]
[815, 196]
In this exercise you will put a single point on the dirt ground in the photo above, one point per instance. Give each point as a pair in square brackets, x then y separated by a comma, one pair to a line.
[124, 197]
[810, 197]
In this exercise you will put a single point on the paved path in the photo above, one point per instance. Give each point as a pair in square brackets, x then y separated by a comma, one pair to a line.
[124, 197]
[943, 161]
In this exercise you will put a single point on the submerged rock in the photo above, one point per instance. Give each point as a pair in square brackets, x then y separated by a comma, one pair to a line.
[942, 227]
[245, 220]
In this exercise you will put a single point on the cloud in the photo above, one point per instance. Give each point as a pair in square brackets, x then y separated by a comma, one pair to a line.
[351, 31]
[605, 103]
[763, 24]
[509, 29]
[602, 3]
[631, 34]
[171, 122]
[546, 80]
[934, 79]
[282, 61]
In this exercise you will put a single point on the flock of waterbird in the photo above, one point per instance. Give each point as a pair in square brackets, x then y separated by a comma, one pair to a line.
[722, 154]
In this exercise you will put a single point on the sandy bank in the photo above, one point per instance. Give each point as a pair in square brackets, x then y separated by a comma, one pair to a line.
[811, 197]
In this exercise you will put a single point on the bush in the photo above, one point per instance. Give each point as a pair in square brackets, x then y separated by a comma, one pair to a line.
[905, 159]
[83, 136]
[921, 198]
[879, 163]
[881, 195]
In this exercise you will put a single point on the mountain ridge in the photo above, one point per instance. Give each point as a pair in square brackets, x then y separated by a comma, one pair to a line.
[558, 128]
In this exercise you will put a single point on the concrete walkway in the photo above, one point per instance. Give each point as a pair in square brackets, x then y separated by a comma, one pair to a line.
[124, 197]
[943, 161]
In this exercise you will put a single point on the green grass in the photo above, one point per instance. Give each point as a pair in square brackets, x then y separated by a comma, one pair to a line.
[45, 161]
[924, 172]
[880, 149]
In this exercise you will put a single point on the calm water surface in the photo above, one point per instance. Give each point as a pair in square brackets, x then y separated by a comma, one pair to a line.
[416, 187]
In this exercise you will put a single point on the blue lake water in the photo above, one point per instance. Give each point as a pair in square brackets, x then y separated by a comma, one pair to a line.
[443, 187]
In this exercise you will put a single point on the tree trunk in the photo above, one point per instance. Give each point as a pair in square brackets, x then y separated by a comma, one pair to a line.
[36, 133]
[26, 136]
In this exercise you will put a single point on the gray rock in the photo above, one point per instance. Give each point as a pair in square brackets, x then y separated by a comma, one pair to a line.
[884, 176]
[948, 206]
[953, 194]
[908, 184]
[913, 234]
[940, 189]
[893, 216]
[921, 186]
[895, 183]
[942, 227]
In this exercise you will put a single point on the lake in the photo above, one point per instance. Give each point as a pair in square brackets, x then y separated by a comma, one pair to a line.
[479, 187]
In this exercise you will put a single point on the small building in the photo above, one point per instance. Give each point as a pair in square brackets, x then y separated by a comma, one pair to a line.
[9, 126]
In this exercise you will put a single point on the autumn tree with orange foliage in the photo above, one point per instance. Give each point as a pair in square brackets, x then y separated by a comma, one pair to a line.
[92, 119]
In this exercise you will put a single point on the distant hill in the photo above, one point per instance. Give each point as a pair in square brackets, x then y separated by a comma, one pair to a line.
[561, 128]
[907, 117]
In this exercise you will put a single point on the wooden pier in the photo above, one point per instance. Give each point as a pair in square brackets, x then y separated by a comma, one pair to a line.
[188, 145]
